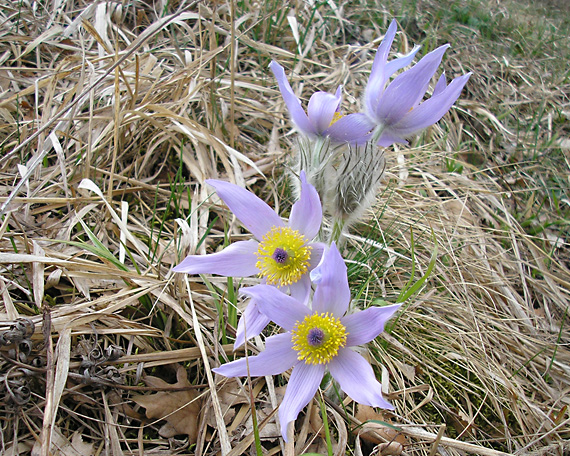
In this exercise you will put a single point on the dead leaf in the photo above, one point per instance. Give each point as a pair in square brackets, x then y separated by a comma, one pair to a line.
[229, 395]
[235, 401]
[124, 408]
[461, 422]
[268, 432]
[18, 448]
[60, 445]
[317, 427]
[318, 447]
[408, 371]
[178, 408]
[389, 440]
[316, 422]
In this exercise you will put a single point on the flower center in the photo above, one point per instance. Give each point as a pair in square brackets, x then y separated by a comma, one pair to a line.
[283, 256]
[337, 116]
[315, 337]
[318, 338]
[280, 255]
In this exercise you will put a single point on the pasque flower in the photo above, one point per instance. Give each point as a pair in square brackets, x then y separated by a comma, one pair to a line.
[323, 117]
[394, 111]
[282, 253]
[317, 339]
[324, 135]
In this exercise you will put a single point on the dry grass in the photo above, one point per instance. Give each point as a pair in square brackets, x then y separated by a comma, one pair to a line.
[113, 115]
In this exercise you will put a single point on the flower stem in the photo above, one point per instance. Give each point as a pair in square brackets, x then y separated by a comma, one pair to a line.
[258, 448]
[232, 303]
[257, 440]
[338, 226]
[326, 424]
[377, 133]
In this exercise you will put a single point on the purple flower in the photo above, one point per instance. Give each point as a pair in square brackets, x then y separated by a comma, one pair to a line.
[323, 117]
[282, 254]
[316, 339]
[395, 110]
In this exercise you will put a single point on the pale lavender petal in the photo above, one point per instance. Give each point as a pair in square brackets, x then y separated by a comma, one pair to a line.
[298, 115]
[388, 138]
[338, 94]
[236, 260]
[276, 305]
[407, 88]
[362, 327]
[317, 252]
[421, 94]
[356, 378]
[351, 128]
[303, 384]
[432, 110]
[301, 289]
[318, 249]
[277, 357]
[307, 213]
[251, 322]
[440, 86]
[397, 64]
[315, 273]
[332, 294]
[252, 212]
[378, 78]
[321, 109]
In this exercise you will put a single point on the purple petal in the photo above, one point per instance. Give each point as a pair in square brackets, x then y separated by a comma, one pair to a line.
[298, 115]
[362, 327]
[321, 109]
[252, 212]
[440, 86]
[236, 260]
[332, 294]
[251, 322]
[378, 78]
[432, 110]
[307, 212]
[303, 384]
[357, 379]
[338, 94]
[397, 64]
[316, 254]
[421, 94]
[351, 128]
[316, 275]
[276, 305]
[301, 289]
[388, 138]
[407, 88]
[277, 357]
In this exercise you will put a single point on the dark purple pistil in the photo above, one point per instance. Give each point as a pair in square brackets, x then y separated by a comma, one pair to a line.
[280, 255]
[315, 337]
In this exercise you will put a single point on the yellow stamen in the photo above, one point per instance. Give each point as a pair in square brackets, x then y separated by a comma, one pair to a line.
[283, 256]
[318, 338]
[336, 117]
